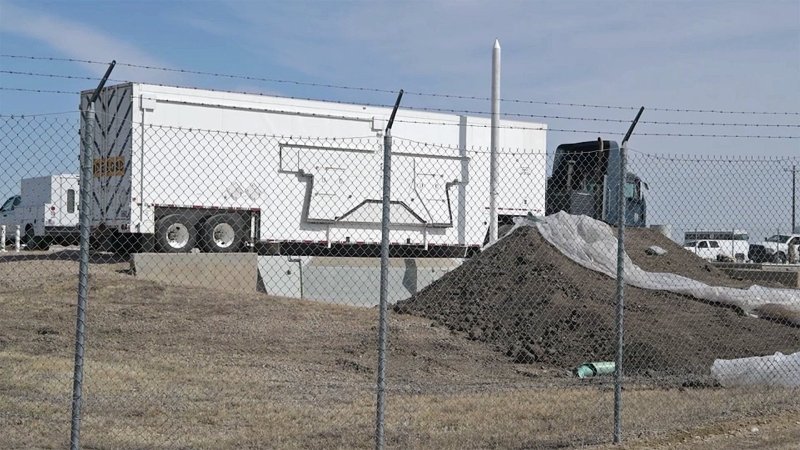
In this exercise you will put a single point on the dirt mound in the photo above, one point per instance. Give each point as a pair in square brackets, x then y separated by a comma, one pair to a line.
[536, 306]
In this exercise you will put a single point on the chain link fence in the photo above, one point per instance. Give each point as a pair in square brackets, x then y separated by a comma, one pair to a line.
[235, 278]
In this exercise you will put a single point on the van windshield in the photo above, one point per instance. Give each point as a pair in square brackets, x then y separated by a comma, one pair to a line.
[9, 204]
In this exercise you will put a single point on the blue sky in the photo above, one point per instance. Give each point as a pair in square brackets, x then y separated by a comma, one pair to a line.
[702, 54]
[732, 55]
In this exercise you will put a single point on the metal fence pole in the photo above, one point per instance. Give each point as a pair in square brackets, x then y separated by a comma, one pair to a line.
[3, 238]
[620, 303]
[83, 274]
[384, 288]
[17, 240]
[83, 268]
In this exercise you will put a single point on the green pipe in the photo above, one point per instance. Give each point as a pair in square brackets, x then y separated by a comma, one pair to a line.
[595, 368]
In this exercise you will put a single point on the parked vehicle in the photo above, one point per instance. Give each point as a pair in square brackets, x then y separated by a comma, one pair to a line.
[777, 248]
[710, 250]
[732, 244]
[221, 171]
[46, 211]
[585, 181]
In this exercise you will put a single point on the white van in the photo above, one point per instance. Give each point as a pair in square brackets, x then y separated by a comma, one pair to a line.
[46, 211]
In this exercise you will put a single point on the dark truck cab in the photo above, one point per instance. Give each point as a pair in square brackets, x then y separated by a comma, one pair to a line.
[585, 181]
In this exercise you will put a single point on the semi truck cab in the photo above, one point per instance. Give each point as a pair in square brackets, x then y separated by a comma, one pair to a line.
[585, 181]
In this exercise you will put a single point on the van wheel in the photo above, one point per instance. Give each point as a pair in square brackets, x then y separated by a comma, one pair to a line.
[223, 233]
[175, 234]
[779, 258]
[29, 235]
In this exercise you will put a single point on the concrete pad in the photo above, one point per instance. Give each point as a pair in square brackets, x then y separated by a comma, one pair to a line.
[785, 277]
[224, 271]
[349, 281]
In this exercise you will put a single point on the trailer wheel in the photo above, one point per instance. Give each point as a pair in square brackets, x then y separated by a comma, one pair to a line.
[175, 234]
[223, 233]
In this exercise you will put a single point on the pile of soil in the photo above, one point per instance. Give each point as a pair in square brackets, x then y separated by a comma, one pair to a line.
[535, 305]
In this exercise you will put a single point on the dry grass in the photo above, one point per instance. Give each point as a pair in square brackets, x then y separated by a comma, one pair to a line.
[171, 367]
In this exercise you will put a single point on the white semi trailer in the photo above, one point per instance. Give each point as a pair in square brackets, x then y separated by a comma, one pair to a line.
[178, 168]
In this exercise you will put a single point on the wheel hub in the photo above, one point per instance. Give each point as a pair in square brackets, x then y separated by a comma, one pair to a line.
[177, 235]
[223, 235]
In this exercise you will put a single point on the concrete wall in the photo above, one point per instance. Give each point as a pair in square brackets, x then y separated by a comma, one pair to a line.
[223, 271]
[350, 281]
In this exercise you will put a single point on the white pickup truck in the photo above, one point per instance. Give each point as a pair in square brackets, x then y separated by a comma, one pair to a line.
[706, 249]
[46, 211]
[780, 248]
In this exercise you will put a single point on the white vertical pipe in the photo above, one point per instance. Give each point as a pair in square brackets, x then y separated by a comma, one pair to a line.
[495, 141]
[16, 240]
[3, 238]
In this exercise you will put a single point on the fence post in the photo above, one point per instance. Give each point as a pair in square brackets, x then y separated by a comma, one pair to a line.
[17, 240]
[384, 287]
[620, 303]
[3, 238]
[620, 300]
[83, 268]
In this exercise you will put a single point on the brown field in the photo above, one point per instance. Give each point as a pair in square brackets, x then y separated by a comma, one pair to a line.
[175, 367]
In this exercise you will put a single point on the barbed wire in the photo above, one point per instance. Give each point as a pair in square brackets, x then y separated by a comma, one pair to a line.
[540, 128]
[55, 113]
[416, 93]
[606, 132]
[40, 91]
[441, 110]
[716, 158]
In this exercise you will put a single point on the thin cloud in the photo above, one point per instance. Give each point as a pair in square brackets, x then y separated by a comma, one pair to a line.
[80, 41]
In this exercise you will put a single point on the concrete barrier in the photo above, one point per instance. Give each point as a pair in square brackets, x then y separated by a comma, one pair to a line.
[223, 271]
[788, 278]
[350, 281]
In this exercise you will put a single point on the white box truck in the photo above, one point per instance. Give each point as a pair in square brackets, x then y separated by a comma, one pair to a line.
[46, 211]
[179, 168]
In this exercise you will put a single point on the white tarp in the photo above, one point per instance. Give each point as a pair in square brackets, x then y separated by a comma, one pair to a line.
[777, 370]
[592, 244]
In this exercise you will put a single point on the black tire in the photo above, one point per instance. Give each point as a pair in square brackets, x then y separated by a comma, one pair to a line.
[29, 235]
[39, 243]
[175, 234]
[33, 242]
[224, 233]
[779, 258]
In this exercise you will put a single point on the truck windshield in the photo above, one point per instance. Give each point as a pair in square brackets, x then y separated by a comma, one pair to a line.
[630, 190]
[777, 238]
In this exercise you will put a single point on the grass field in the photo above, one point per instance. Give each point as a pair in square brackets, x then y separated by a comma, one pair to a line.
[176, 367]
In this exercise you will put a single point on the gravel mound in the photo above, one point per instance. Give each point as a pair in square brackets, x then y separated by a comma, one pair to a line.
[530, 302]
